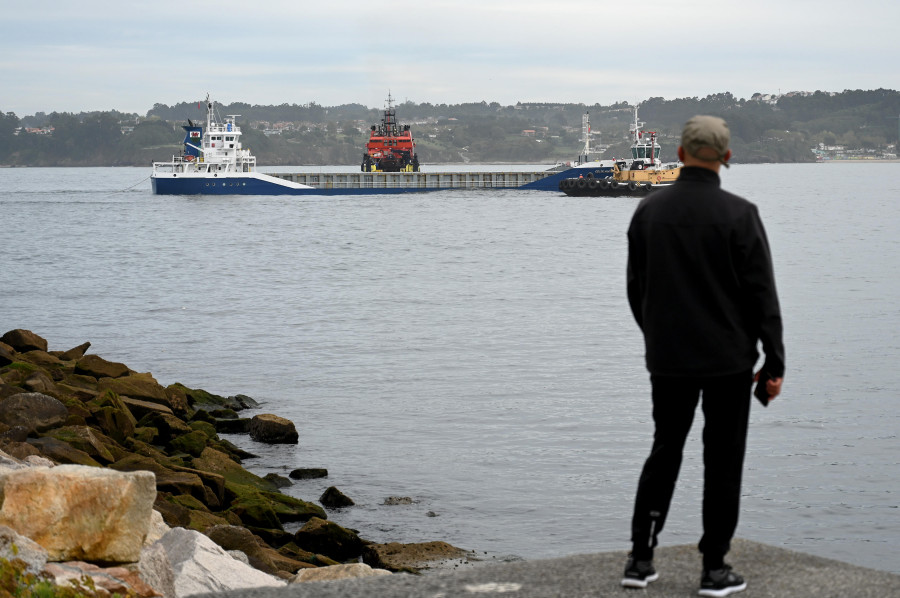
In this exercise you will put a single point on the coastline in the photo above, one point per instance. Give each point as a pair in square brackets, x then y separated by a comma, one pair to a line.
[61, 410]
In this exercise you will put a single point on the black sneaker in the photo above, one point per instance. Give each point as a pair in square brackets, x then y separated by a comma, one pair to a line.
[721, 582]
[638, 574]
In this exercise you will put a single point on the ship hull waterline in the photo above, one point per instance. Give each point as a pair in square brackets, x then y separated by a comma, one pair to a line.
[254, 183]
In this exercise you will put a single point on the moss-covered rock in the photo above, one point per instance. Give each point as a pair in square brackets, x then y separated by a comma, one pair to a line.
[127, 421]
[411, 558]
[24, 340]
[84, 439]
[173, 514]
[278, 480]
[289, 509]
[236, 453]
[215, 485]
[240, 425]
[198, 398]
[330, 539]
[93, 365]
[251, 506]
[7, 355]
[295, 552]
[137, 386]
[232, 537]
[190, 502]
[146, 434]
[62, 452]
[34, 411]
[178, 399]
[169, 426]
[216, 461]
[112, 416]
[17, 371]
[73, 354]
[42, 359]
[205, 427]
[141, 409]
[224, 413]
[167, 479]
[192, 443]
[41, 382]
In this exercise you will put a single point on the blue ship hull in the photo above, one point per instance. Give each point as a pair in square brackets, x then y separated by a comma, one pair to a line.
[551, 183]
[252, 183]
[243, 186]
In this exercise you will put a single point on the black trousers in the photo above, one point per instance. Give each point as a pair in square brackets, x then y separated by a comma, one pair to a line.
[726, 411]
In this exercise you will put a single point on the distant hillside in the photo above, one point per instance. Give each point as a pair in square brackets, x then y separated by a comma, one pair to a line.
[764, 129]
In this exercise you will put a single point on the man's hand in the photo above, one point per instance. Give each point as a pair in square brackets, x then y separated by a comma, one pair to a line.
[773, 385]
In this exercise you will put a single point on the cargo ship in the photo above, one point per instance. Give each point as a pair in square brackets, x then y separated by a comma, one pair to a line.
[213, 161]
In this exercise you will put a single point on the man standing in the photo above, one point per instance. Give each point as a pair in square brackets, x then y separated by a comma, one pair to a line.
[702, 289]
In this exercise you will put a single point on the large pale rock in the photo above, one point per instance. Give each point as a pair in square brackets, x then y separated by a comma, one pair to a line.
[201, 566]
[156, 570]
[8, 463]
[158, 528]
[114, 580]
[16, 546]
[24, 340]
[334, 572]
[80, 513]
[34, 411]
[273, 429]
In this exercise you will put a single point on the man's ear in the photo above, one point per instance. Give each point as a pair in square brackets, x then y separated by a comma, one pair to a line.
[681, 153]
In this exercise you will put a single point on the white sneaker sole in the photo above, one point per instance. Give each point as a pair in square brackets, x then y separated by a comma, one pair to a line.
[630, 582]
[711, 593]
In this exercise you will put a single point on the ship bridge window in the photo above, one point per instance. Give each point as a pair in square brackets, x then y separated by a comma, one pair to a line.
[229, 138]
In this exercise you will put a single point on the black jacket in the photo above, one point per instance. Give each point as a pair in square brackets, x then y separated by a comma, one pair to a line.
[700, 280]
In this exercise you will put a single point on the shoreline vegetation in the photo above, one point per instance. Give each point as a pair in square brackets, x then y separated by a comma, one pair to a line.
[105, 474]
[783, 128]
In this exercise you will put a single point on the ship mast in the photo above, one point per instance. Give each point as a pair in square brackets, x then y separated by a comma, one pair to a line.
[390, 119]
[586, 134]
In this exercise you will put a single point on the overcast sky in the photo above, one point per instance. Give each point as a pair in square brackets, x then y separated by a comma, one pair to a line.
[73, 56]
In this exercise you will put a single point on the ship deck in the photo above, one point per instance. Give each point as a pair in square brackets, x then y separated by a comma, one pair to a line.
[415, 180]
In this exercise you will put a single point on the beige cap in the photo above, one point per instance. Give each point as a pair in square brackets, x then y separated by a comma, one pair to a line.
[708, 133]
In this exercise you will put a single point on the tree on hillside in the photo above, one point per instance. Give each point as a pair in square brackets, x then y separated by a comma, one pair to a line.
[9, 122]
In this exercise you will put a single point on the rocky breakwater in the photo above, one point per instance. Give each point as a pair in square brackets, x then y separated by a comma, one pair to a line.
[110, 479]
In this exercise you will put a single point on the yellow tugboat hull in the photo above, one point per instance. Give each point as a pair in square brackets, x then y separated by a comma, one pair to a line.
[652, 176]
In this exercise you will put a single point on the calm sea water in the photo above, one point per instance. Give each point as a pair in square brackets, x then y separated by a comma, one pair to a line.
[474, 350]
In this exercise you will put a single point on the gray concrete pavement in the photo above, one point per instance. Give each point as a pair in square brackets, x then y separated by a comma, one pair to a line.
[770, 572]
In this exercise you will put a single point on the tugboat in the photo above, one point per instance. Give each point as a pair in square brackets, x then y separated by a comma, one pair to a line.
[390, 148]
[640, 175]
